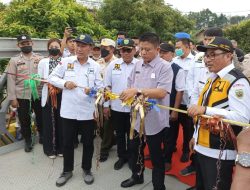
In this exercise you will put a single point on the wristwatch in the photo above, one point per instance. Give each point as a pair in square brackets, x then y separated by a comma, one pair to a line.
[243, 159]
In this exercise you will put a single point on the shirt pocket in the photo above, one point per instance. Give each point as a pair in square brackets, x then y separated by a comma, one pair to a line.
[116, 73]
[69, 75]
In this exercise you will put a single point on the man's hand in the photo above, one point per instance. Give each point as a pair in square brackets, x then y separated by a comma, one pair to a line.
[106, 113]
[87, 90]
[243, 141]
[173, 116]
[195, 110]
[14, 103]
[191, 145]
[67, 32]
[70, 85]
[127, 94]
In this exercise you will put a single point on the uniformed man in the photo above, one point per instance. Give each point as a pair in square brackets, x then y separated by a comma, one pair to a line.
[185, 60]
[178, 87]
[107, 132]
[74, 76]
[26, 63]
[226, 93]
[116, 77]
[151, 77]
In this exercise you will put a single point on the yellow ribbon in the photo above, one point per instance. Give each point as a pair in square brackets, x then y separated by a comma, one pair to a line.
[232, 122]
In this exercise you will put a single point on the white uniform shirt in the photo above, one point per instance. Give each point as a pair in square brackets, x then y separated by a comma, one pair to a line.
[180, 80]
[202, 77]
[186, 65]
[116, 76]
[66, 53]
[75, 103]
[239, 110]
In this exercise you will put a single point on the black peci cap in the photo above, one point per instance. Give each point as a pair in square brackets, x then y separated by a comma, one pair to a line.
[167, 47]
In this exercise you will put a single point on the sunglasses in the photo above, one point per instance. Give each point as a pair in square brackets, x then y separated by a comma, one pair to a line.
[126, 50]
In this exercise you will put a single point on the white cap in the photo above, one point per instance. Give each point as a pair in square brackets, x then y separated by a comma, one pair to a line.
[107, 42]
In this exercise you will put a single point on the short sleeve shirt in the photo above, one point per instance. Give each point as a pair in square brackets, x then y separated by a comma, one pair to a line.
[156, 74]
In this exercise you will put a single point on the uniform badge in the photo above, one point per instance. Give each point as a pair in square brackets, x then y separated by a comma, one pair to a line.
[91, 70]
[82, 37]
[126, 41]
[70, 66]
[239, 93]
[200, 59]
[117, 67]
[23, 37]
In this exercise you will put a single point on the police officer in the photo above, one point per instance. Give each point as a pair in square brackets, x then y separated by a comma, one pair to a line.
[226, 93]
[75, 76]
[26, 63]
[185, 60]
[116, 77]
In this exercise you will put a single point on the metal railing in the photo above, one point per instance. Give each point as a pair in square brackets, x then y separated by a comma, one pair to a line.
[5, 136]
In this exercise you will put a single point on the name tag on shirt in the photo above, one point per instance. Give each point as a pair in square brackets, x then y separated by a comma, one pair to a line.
[152, 75]
[91, 70]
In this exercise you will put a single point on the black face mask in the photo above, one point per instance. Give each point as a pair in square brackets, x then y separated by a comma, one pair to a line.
[26, 49]
[54, 51]
[104, 52]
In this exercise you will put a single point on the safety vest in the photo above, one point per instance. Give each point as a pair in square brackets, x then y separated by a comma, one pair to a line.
[217, 97]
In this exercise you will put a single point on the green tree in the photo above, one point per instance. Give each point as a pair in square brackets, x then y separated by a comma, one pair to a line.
[236, 19]
[138, 16]
[46, 19]
[240, 32]
[207, 18]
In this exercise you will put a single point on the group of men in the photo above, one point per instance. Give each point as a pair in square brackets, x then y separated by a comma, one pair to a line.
[203, 84]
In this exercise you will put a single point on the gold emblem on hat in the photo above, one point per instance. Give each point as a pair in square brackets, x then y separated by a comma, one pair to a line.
[126, 42]
[82, 37]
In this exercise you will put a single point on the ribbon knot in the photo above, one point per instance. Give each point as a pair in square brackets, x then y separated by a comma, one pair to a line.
[32, 83]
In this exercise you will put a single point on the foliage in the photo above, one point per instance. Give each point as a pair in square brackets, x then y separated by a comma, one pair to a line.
[240, 32]
[138, 16]
[47, 19]
[3, 64]
[206, 18]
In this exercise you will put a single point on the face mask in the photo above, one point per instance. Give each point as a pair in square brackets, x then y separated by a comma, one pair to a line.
[119, 41]
[179, 52]
[26, 49]
[54, 51]
[104, 52]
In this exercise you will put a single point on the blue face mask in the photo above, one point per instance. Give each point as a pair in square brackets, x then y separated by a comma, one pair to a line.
[179, 52]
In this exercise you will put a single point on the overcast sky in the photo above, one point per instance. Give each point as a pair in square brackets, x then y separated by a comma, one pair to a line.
[228, 7]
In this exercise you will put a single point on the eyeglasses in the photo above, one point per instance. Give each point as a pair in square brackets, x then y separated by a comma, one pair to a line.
[126, 50]
[213, 55]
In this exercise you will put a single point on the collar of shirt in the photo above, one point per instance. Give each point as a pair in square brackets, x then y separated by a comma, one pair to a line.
[153, 62]
[225, 70]
[190, 56]
[134, 60]
[75, 60]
